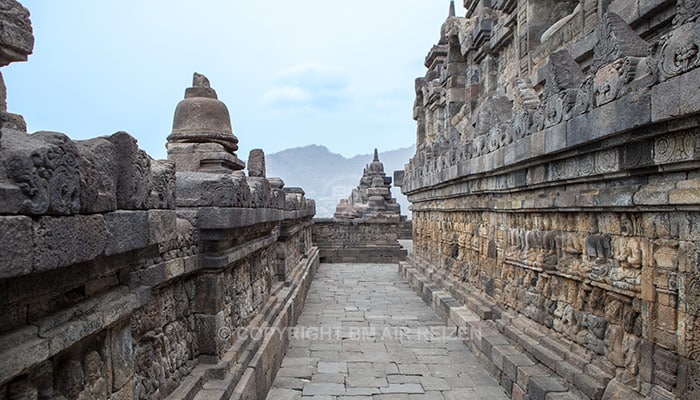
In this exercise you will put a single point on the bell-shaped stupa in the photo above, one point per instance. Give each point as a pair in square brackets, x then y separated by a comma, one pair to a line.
[202, 138]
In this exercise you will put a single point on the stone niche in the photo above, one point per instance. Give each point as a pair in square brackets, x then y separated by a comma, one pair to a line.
[561, 202]
[125, 277]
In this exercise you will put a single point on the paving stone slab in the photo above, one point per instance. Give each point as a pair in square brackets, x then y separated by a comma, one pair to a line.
[377, 335]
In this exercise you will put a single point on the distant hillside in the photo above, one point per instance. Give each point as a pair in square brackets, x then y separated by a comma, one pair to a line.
[327, 177]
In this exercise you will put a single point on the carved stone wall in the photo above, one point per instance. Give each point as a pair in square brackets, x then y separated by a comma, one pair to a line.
[107, 296]
[358, 241]
[560, 178]
[125, 277]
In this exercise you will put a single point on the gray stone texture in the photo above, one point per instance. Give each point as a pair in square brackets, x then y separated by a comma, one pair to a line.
[364, 334]
[256, 163]
[202, 138]
[16, 250]
[17, 38]
[358, 241]
[555, 157]
[372, 199]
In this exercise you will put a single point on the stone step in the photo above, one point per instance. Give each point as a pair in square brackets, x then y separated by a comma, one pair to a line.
[559, 357]
[188, 388]
[518, 348]
[209, 394]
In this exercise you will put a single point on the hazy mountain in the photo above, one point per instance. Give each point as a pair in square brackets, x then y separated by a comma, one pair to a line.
[327, 177]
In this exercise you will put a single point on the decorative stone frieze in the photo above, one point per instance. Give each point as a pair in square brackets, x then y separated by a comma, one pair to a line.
[564, 189]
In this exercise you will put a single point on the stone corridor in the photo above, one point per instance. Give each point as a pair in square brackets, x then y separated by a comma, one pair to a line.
[364, 334]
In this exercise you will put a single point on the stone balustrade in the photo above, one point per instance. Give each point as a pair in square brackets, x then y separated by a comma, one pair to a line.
[125, 277]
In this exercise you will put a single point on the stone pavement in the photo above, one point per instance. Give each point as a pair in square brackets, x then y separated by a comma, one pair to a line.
[364, 334]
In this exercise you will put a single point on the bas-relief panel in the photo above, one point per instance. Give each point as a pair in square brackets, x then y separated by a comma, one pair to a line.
[580, 274]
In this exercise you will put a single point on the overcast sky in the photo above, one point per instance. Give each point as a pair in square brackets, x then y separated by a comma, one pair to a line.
[292, 73]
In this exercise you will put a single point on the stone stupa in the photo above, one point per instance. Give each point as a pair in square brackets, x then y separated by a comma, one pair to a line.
[202, 139]
[372, 198]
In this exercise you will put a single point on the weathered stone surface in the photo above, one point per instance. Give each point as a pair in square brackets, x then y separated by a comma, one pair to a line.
[126, 231]
[197, 189]
[21, 356]
[16, 39]
[372, 197]
[202, 138]
[123, 279]
[256, 163]
[99, 173]
[39, 173]
[260, 192]
[358, 240]
[555, 182]
[134, 175]
[122, 357]
[162, 193]
[16, 248]
[675, 97]
[62, 241]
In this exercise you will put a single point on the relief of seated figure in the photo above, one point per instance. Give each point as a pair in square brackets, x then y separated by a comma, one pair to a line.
[627, 272]
[571, 247]
[598, 250]
[551, 245]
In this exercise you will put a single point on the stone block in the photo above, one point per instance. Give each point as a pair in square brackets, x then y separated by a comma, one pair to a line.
[134, 172]
[513, 362]
[526, 373]
[649, 6]
[127, 231]
[564, 396]
[162, 194]
[621, 115]
[71, 332]
[39, 174]
[537, 144]
[498, 353]
[546, 356]
[116, 304]
[208, 297]
[684, 196]
[17, 246]
[198, 189]
[590, 387]
[676, 97]
[324, 389]
[616, 390]
[538, 387]
[62, 241]
[555, 138]
[99, 170]
[207, 327]
[21, 356]
[627, 9]
[491, 339]
[162, 226]
[122, 357]
[517, 393]
[650, 197]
